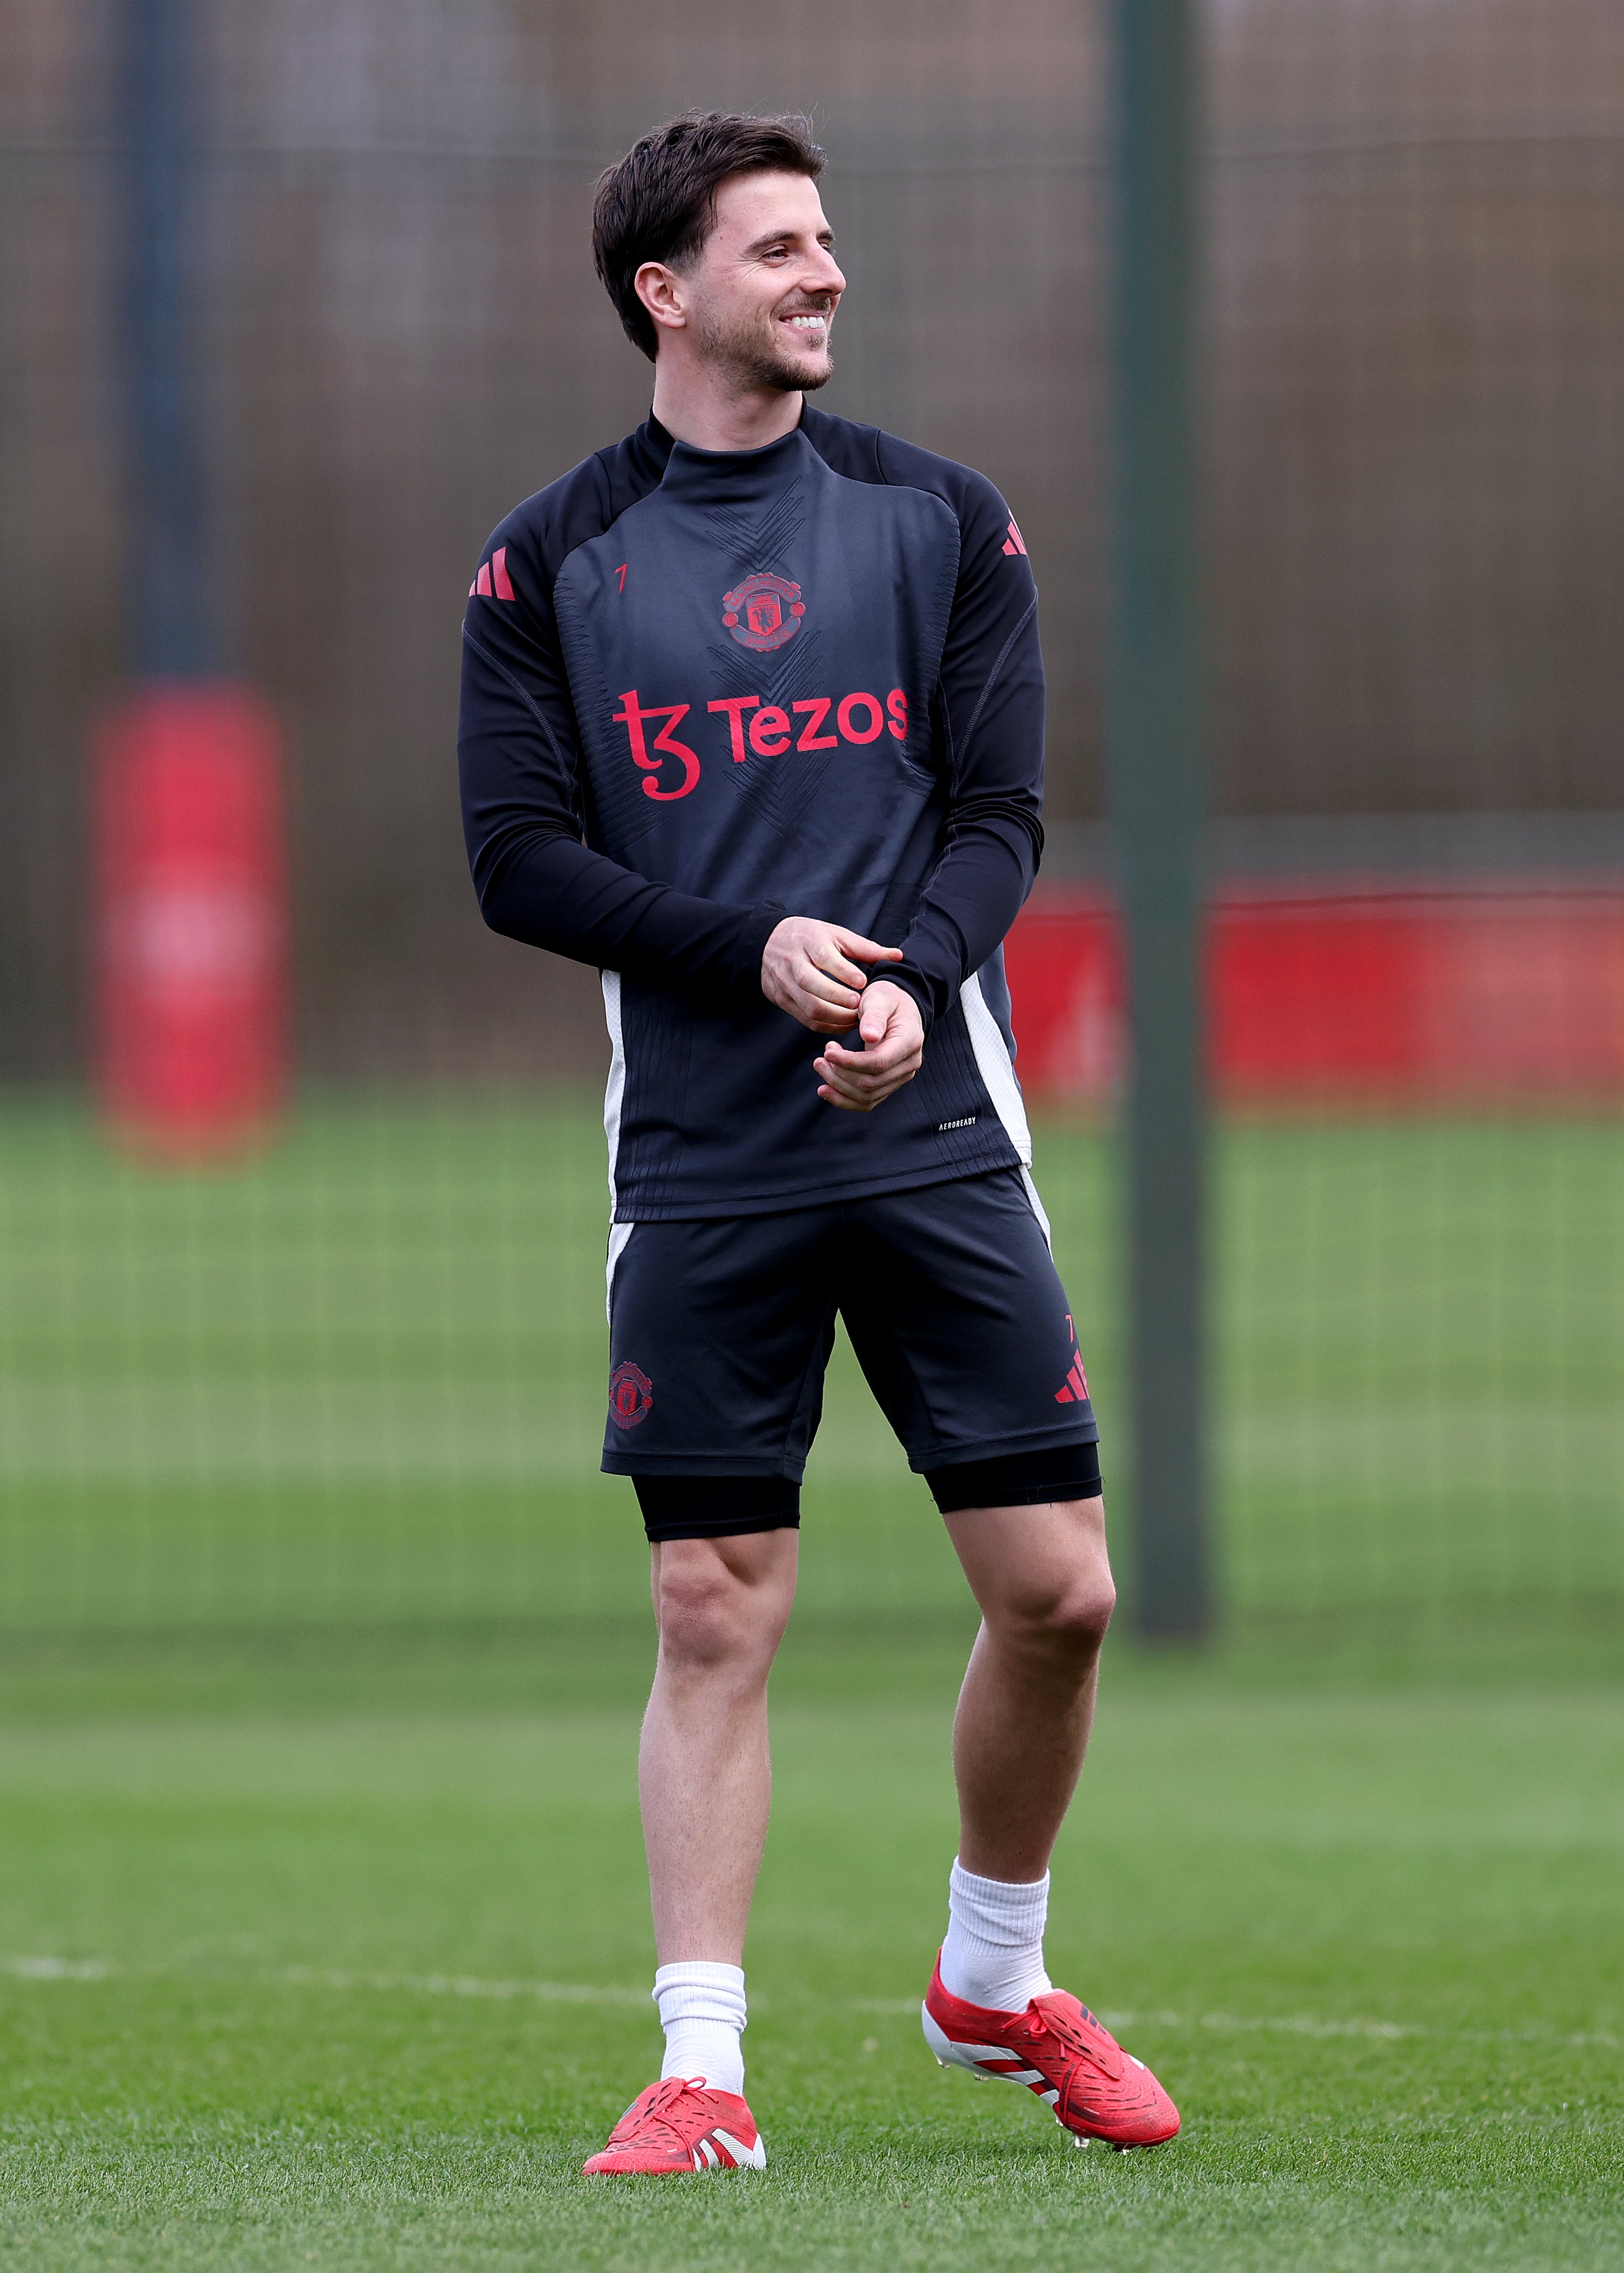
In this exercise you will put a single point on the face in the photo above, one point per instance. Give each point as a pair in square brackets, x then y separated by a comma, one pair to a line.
[760, 300]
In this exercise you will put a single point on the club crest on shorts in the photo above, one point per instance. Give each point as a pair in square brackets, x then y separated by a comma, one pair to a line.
[764, 613]
[630, 1395]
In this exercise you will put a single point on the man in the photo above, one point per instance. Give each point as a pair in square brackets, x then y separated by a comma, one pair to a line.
[753, 720]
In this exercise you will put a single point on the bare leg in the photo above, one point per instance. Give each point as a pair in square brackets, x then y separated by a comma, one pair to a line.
[721, 1606]
[1043, 1579]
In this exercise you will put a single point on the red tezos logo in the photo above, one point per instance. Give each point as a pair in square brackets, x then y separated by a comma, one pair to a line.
[764, 613]
[630, 1395]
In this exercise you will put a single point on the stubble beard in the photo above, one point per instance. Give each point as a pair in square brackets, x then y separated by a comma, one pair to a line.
[751, 363]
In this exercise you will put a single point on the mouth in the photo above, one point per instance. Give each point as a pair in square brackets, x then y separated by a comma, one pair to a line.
[809, 324]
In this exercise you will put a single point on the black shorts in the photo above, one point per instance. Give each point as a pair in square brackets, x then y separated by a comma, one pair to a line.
[720, 1334]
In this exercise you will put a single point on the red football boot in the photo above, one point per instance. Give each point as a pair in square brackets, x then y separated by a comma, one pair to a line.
[676, 2126]
[1060, 2051]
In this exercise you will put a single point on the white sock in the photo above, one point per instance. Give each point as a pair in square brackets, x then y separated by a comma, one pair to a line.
[702, 2012]
[993, 1955]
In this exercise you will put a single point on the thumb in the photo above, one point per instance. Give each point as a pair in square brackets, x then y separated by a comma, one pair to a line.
[876, 1018]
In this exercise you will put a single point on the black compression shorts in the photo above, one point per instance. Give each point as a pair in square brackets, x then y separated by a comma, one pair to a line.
[721, 1507]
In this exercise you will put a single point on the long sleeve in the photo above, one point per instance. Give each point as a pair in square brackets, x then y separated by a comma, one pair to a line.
[523, 811]
[991, 704]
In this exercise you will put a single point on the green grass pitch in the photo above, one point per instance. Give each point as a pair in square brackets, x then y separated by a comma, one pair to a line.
[323, 1935]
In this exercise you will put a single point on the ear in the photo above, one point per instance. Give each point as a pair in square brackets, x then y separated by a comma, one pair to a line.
[660, 289]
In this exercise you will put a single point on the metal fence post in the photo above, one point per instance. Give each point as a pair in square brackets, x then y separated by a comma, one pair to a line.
[1153, 736]
[168, 611]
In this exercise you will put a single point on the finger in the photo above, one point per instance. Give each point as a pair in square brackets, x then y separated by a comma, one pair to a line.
[851, 1085]
[837, 1010]
[848, 1104]
[842, 1079]
[866, 950]
[882, 1058]
[836, 1091]
[829, 963]
[829, 986]
[832, 1012]
[864, 1088]
[853, 1067]
[822, 1017]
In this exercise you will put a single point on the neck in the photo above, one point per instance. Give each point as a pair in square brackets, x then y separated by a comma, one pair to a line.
[698, 407]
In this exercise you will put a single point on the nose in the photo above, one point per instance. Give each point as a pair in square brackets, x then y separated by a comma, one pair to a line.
[824, 276]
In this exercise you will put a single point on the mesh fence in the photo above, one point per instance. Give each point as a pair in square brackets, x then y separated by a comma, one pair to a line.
[359, 1376]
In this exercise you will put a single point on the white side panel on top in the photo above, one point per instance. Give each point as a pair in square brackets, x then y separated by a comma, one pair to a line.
[993, 1062]
[613, 1095]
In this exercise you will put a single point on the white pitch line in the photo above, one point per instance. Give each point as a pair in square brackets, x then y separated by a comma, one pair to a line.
[1310, 2024]
[461, 1985]
[580, 1992]
[1295, 2024]
[310, 1976]
[54, 1968]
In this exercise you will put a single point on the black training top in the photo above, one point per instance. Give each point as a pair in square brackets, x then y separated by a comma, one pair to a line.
[705, 690]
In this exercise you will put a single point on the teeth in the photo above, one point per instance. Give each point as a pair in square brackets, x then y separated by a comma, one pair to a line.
[810, 323]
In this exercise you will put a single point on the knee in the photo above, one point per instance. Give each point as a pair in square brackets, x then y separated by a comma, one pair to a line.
[1062, 1616]
[1073, 1624]
[711, 1616]
[703, 1617]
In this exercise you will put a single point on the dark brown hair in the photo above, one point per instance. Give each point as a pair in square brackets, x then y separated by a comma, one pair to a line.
[659, 202]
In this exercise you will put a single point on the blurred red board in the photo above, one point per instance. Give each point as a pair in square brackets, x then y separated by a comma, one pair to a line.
[1354, 995]
[191, 920]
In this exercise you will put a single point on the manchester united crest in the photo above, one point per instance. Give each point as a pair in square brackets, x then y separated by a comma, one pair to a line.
[630, 1395]
[764, 613]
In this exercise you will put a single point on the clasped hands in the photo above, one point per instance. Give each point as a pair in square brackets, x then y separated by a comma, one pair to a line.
[813, 971]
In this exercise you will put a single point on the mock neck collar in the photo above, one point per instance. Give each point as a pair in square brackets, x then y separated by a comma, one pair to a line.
[730, 477]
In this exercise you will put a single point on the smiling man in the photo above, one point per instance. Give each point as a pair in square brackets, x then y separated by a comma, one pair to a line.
[753, 721]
